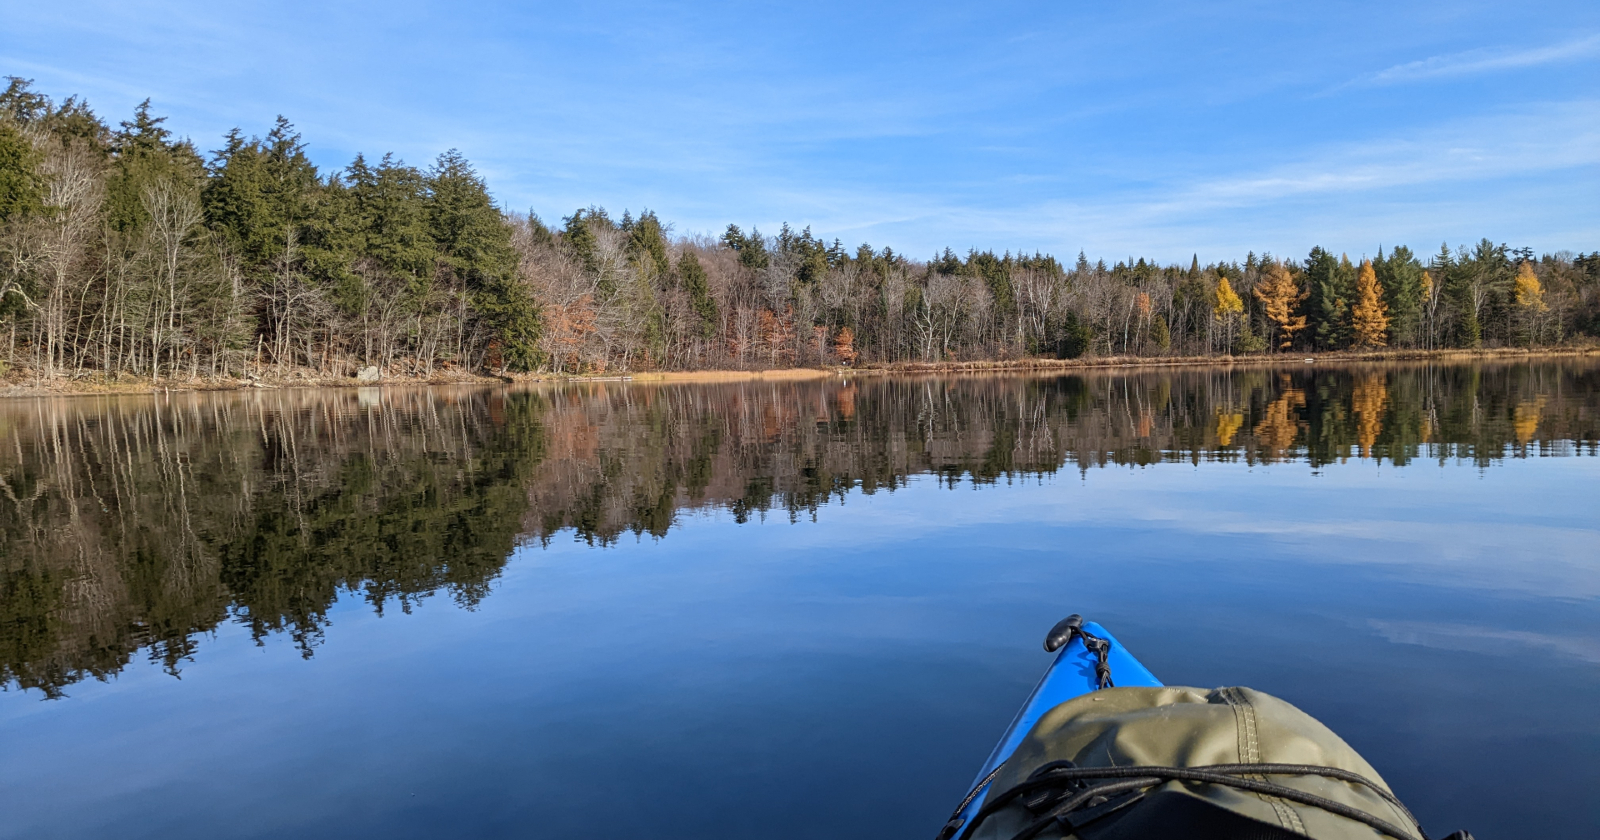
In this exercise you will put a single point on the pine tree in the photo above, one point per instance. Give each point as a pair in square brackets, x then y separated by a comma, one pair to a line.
[1369, 316]
[696, 283]
[21, 187]
[1330, 290]
[261, 192]
[579, 236]
[647, 244]
[474, 247]
[1160, 333]
[1400, 277]
[389, 208]
[752, 249]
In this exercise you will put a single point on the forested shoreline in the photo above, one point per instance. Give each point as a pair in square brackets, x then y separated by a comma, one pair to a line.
[131, 254]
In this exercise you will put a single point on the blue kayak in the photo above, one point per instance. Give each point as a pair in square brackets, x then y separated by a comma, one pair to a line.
[1196, 792]
[1077, 670]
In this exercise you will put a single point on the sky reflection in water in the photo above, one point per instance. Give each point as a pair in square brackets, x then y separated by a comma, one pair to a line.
[844, 676]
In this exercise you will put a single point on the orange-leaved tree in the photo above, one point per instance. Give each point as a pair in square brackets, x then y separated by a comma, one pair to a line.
[844, 346]
[1369, 316]
[1280, 296]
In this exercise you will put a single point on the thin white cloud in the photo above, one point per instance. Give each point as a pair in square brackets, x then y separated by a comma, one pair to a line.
[1440, 162]
[1539, 139]
[1483, 61]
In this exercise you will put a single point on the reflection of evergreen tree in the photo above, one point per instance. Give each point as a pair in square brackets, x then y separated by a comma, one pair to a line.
[142, 526]
[399, 528]
[267, 527]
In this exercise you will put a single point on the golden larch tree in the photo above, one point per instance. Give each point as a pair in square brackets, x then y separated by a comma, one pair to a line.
[1369, 316]
[1228, 302]
[1280, 296]
[1228, 308]
[1530, 295]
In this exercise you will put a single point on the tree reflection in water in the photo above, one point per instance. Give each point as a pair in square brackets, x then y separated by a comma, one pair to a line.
[138, 524]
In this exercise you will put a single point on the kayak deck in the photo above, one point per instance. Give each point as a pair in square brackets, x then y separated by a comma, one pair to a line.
[1072, 674]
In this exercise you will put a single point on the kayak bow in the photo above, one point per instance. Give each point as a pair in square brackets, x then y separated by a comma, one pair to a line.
[1074, 672]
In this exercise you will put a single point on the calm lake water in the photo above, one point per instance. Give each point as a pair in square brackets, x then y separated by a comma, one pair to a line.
[788, 610]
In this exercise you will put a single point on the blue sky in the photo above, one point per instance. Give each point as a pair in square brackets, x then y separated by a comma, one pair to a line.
[1116, 128]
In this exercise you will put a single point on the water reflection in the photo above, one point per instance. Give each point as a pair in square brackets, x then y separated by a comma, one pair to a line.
[133, 526]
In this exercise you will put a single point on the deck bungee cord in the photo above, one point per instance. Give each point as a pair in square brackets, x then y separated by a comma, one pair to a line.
[1065, 783]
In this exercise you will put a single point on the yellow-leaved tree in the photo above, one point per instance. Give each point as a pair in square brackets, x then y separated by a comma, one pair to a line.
[1228, 308]
[1280, 296]
[1369, 316]
[1530, 295]
[1530, 299]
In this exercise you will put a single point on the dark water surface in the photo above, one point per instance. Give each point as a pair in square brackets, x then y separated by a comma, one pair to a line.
[787, 610]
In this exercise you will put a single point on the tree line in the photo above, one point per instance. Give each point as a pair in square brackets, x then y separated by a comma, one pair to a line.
[130, 252]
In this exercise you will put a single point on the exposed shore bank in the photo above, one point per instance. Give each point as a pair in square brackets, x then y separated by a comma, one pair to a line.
[92, 384]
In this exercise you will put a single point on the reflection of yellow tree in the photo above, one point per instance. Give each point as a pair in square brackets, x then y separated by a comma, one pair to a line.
[1228, 424]
[1368, 399]
[1525, 419]
[1280, 422]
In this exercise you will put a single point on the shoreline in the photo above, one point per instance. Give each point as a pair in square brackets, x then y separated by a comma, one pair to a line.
[98, 386]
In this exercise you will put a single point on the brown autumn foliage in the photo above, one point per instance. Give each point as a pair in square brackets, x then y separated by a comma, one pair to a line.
[844, 346]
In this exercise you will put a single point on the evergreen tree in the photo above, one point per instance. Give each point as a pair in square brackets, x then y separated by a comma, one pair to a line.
[390, 207]
[1330, 287]
[647, 245]
[696, 283]
[752, 249]
[21, 187]
[474, 246]
[145, 155]
[261, 192]
[1160, 334]
[1400, 277]
[579, 236]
